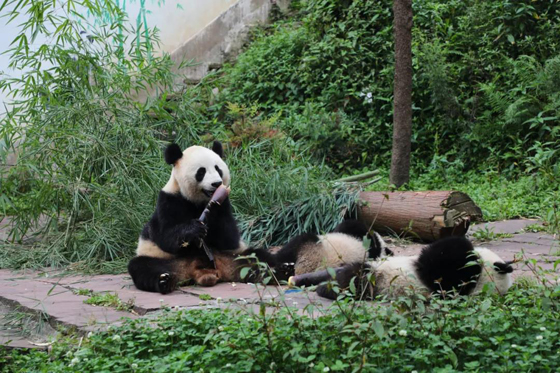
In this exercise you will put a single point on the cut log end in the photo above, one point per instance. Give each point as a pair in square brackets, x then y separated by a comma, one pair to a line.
[427, 216]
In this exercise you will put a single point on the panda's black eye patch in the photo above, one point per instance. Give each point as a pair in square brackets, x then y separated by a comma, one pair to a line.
[200, 174]
[219, 171]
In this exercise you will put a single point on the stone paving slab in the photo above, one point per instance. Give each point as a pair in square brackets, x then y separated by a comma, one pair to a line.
[122, 285]
[59, 303]
[504, 226]
[14, 341]
[24, 332]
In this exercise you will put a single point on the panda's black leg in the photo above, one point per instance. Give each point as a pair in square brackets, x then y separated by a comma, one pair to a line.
[344, 276]
[289, 252]
[352, 227]
[153, 274]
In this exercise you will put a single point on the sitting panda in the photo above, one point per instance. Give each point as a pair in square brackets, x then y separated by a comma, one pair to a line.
[169, 248]
[450, 264]
[309, 252]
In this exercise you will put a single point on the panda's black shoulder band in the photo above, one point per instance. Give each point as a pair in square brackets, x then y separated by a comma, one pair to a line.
[173, 153]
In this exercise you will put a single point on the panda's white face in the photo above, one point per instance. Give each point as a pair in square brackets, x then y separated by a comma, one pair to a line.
[197, 174]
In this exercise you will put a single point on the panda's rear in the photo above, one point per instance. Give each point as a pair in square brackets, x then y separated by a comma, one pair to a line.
[449, 264]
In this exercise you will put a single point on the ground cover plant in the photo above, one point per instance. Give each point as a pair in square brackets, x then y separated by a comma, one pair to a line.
[518, 332]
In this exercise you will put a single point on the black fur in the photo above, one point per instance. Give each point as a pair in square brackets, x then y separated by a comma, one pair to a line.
[173, 153]
[356, 272]
[449, 264]
[200, 174]
[175, 222]
[152, 274]
[358, 230]
[218, 149]
[289, 252]
[352, 227]
[503, 268]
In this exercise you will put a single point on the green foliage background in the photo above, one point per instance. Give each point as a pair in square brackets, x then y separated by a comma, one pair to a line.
[485, 79]
[308, 100]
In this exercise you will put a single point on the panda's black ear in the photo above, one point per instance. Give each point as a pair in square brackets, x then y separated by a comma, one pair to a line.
[173, 153]
[218, 149]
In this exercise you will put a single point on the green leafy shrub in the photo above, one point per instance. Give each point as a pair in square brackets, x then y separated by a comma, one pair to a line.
[517, 332]
[89, 156]
[484, 78]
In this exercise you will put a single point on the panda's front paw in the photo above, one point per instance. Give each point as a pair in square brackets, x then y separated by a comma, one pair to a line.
[194, 233]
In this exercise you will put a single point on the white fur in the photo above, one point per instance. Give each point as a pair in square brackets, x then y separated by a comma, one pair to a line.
[183, 176]
[331, 250]
[339, 249]
[149, 248]
[394, 274]
[502, 281]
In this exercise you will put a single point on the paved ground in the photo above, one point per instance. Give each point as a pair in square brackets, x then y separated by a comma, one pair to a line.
[41, 303]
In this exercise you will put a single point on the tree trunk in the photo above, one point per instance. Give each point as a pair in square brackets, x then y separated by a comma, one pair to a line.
[427, 216]
[402, 93]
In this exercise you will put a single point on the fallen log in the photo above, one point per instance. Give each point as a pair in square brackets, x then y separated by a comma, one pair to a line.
[427, 216]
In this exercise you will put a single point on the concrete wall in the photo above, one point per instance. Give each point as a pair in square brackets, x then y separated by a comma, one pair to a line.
[223, 37]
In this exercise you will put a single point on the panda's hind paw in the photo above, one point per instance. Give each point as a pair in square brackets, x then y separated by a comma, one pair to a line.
[287, 269]
[165, 283]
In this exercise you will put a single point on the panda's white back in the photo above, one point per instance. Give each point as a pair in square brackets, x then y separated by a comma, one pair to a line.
[339, 249]
[395, 274]
[332, 250]
[502, 281]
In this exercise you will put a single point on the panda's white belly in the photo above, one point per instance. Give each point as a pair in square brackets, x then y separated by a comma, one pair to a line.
[149, 248]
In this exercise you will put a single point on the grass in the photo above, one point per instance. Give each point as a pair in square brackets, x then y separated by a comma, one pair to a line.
[108, 299]
[517, 332]
[535, 228]
[18, 322]
[488, 234]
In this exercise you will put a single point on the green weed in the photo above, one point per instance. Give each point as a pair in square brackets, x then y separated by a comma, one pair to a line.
[488, 234]
[516, 332]
[107, 299]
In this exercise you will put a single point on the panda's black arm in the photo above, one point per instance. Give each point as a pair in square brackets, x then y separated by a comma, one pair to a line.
[223, 234]
[173, 239]
[175, 222]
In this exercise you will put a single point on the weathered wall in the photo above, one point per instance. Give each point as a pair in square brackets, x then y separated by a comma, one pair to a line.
[223, 37]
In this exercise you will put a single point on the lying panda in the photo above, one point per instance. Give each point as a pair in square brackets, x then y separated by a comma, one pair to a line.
[309, 252]
[450, 264]
[169, 248]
